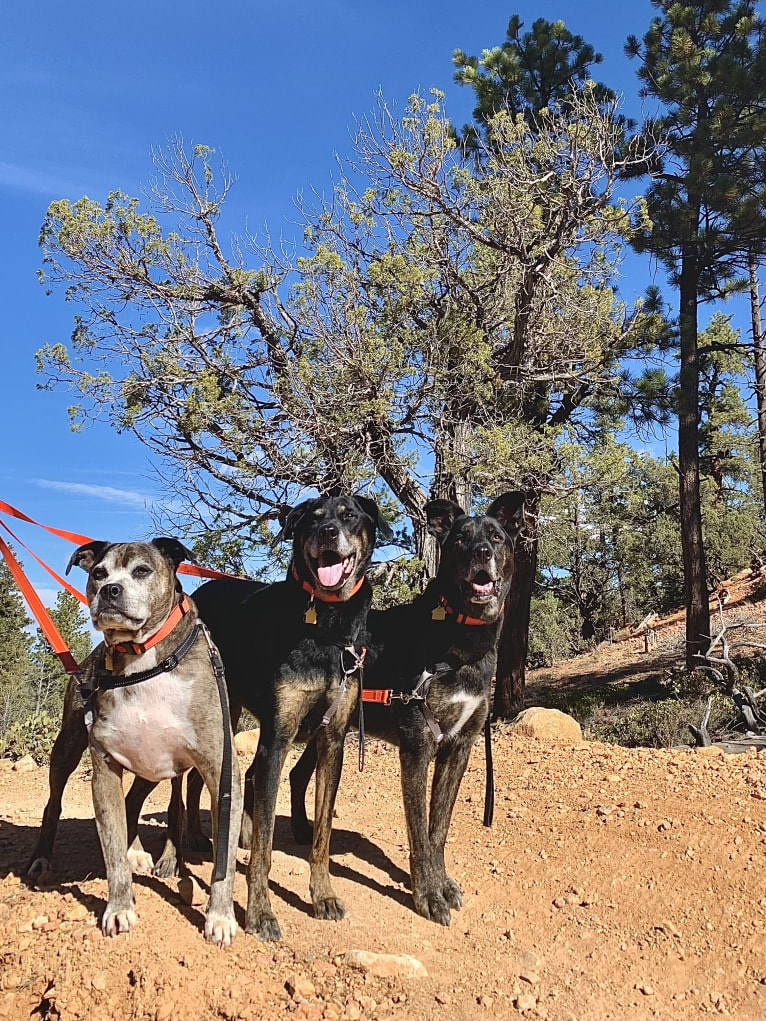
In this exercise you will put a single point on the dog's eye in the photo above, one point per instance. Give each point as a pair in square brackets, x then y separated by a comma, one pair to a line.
[460, 540]
[498, 539]
[98, 573]
[142, 571]
[347, 515]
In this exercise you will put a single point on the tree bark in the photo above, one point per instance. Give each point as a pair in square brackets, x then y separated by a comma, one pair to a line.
[693, 550]
[759, 360]
[514, 638]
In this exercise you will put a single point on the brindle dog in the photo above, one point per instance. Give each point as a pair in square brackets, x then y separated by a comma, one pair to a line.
[438, 655]
[291, 653]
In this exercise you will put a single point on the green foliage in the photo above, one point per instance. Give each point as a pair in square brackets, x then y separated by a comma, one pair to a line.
[554, 631]
[661, 724]
[15, 647]
[32, 735]
[49, 677]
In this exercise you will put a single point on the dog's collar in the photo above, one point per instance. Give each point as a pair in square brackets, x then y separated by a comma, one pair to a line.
[440, 612]
[177, 614]
[323, 596]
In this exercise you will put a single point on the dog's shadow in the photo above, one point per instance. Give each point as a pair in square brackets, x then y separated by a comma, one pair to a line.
[77, 858]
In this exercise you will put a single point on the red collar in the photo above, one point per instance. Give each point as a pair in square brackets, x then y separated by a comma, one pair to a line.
[322, 596]
[178, 612]
[460, 618]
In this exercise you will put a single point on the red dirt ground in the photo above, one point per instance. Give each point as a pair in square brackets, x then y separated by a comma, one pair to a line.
[615, 883]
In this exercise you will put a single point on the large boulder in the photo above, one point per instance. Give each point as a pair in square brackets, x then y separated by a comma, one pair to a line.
[547, 725]
[246, 742]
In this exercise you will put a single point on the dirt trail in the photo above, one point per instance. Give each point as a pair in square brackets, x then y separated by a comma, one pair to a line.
[615, 883]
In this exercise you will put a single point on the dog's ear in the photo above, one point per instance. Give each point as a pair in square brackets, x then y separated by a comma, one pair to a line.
[508, 509]
[289, 518]
[174, 550]
[441, 515]
[87, 555]
[372, 511]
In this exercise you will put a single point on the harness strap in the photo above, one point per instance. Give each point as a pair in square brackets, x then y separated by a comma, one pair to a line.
[175, 616]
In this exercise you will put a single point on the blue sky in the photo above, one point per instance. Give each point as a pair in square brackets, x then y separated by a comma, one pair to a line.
[88, 88]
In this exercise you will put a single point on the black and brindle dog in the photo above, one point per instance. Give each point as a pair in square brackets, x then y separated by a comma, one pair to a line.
[433, 661]
[291, 653]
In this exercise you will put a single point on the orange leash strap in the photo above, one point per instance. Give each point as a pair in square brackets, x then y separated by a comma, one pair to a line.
[56, 577]
[82, 540]
[39, 612]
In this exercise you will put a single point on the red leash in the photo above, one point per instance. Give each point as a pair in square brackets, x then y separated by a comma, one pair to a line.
[48, 628]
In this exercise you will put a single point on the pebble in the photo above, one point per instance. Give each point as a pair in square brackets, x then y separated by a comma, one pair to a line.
[39, 922]
[300, 987]
[165, 1008]
[100, 980]
[527, 1001]
[25, 765]
[191, 892]
[529, 976]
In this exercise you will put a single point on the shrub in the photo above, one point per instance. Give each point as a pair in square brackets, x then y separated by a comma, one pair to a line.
[32, 735]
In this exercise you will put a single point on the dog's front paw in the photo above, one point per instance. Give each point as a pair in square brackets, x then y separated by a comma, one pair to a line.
[452, 894]
[116, 921]
[432, 905]
[330, 909]
[140, 861]
[220, 929]
[263, 926]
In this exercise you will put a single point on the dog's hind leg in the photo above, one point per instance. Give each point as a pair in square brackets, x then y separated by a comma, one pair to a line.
[141, 863]
[68, 748]
[170, 862]
[426, 880]
[448, 774]
[300, 775]
[329, 753]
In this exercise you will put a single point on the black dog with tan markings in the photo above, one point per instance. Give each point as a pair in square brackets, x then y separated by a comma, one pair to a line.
[291, 652]
[428, 673]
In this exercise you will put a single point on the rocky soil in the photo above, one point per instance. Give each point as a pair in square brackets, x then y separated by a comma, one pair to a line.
[614, 883]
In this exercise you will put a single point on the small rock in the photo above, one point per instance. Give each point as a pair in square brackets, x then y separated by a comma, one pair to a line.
[529, 959]
[165, 1008]
[485, 1001]
[191, 892]
[559, 902]
[353, 1012]
[100, 981]
[77, 913]
[385, 965]
[367, 1004]
[299, 986]
[645, 989]
[39, 922]
[25, 765]
[529, 976]
[527, 1001]
[443, 999]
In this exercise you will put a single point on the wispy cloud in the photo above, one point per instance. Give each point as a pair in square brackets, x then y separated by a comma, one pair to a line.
[125, 497]
[41, 182]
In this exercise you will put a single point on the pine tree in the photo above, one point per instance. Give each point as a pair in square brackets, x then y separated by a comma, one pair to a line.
[706, 63]
[15, 644]
[50, 678]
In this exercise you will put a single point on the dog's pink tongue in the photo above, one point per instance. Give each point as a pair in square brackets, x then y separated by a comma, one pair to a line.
[485, 589]
[331, 574]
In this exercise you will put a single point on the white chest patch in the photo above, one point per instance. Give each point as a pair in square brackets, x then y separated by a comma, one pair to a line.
[146, 727]
[468, 705]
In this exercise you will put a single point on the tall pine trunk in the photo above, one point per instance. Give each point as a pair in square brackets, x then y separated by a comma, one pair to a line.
[759, 360]
[514, 638]
[693, 550]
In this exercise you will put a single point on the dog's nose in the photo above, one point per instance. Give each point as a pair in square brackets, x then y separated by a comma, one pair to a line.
[328, 531]
[483, 553]
[112, 592]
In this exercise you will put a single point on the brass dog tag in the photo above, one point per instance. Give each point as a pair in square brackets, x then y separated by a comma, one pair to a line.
[310, 616]
[439, 613]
